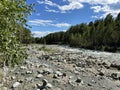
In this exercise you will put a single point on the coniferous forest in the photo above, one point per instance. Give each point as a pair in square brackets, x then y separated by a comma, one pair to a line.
[102, 34]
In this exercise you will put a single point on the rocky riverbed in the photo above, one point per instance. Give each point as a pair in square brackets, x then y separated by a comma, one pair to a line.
[62, 68]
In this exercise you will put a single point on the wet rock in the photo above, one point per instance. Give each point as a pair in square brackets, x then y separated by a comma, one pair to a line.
[16, 84]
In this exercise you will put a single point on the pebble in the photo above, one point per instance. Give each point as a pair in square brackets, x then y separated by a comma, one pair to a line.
[78, 80]
[114, 76]
[16, 84]
[39, 76]
[5, 88]
[28, 72]
[23, 67]
[49, 85]
[45, 82]
[13, 77]
[101, 73]
[58, 73]
[55, 76]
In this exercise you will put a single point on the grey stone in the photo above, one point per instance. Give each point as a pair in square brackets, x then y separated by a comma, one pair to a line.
[101, 73]
[39, 76]
[45, 82]
[20, 80]
[115, 65]
[55, 76]
[16, 84]
[49, 85]
[58, 73]
[29, 79]
[23, 67]
[78, 80]
[89, 84]
[114, 76]
[13, 77]
[5, 88]
[81, 64]
[28, 72]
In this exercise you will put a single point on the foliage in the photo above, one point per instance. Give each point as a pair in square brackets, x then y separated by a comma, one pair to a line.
[103, 34]
[24, 36]
[13, 13]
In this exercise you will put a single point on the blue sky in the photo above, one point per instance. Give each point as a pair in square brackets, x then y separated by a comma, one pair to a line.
[58, 15]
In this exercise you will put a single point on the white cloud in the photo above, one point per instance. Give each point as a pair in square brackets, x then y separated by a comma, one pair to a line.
[47, 2]
[51, 10]
[71, 6]
[104, 6]
[40, 33]
[61, 25]
[63, 8]
[97, 17]
[96, 8]
[39, 22]
[43, 33]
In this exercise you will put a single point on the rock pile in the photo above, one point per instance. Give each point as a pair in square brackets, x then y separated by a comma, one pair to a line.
[63, 70]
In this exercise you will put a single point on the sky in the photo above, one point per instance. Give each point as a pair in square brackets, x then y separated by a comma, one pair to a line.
[58, 15]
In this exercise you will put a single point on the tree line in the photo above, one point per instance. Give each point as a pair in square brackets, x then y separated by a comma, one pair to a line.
[102, 34]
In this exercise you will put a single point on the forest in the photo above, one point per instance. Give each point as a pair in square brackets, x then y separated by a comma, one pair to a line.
[102, 34]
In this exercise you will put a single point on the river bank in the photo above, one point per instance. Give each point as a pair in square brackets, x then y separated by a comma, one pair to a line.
[57, 67]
